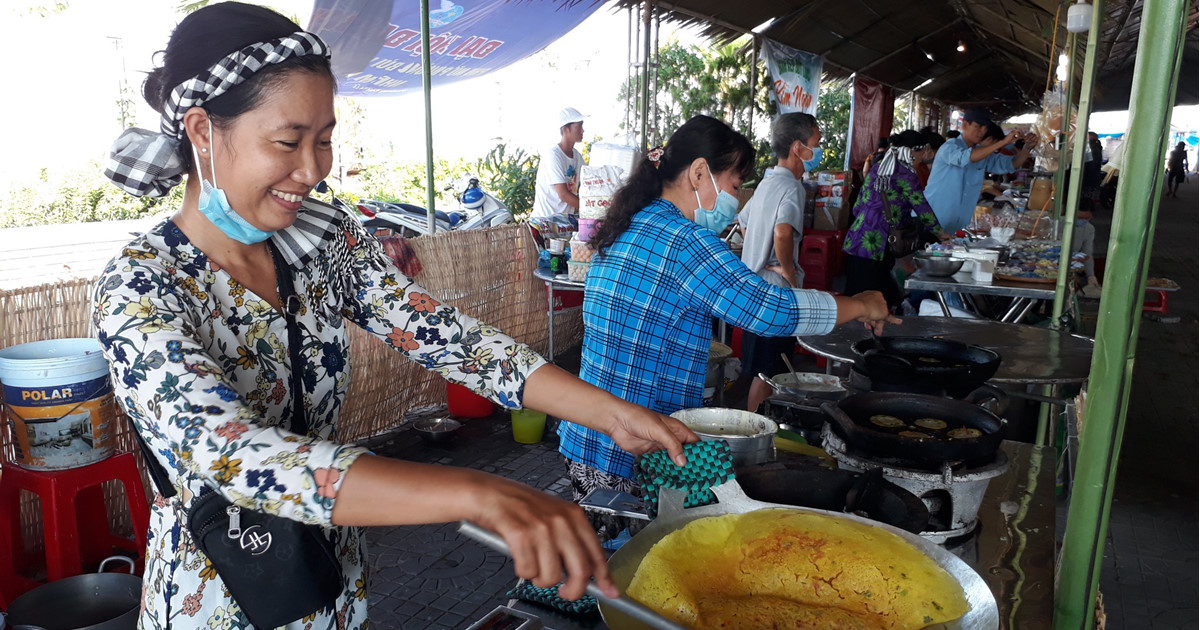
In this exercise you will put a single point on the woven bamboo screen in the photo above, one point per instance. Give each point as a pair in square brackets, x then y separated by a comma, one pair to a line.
[485, 273]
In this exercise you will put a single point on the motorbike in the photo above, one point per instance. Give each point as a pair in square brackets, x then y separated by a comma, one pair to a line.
[479, 207]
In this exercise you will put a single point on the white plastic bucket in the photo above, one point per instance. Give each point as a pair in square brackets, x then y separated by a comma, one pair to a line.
[59, 402]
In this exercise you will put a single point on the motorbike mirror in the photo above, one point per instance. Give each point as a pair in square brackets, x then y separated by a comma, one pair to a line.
[322, 187]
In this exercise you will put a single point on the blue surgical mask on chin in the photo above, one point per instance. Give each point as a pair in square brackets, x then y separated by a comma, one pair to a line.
[811, 163]
[214, 205]
[723, 212]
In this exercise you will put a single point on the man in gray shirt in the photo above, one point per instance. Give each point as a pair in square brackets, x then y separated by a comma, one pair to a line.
[773, 220]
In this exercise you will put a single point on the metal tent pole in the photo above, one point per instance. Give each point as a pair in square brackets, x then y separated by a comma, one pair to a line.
[645, 73]
[427, 86]
[1160, 42]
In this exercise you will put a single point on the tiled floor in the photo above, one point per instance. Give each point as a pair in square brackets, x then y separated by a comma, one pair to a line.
[431, 577]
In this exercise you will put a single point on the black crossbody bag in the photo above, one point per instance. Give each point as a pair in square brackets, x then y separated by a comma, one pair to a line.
[278, 570]
[903, 241]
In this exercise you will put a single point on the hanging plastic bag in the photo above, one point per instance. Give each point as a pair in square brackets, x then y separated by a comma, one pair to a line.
[1049, 126]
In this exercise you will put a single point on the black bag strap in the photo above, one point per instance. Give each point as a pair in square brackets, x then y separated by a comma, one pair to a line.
[291, 308]
[299, 424]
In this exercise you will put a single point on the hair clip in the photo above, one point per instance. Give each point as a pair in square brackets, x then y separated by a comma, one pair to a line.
[655, 155]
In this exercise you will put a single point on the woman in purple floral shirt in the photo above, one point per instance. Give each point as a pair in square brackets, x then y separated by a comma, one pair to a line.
[869, 264]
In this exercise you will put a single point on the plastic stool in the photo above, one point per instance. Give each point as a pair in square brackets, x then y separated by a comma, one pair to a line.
[838, 256]
[1156, 306]
[818, 258]
[74, 519]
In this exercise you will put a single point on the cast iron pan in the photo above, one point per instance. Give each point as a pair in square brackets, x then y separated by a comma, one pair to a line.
[925, 365]
[851, 419]
[868, 494]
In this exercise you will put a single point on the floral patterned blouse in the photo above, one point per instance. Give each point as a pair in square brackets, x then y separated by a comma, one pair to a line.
[201, 366]
[868, 233]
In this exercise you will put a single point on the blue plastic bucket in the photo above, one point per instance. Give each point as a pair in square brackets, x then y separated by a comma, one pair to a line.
[59, 402]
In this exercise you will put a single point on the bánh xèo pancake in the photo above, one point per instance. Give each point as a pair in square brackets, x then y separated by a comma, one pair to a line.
[789, 568]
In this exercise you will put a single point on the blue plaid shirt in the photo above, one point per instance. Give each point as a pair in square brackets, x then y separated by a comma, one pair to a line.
[647, 318]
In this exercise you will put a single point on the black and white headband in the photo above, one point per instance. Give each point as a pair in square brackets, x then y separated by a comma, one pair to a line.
[145, 163]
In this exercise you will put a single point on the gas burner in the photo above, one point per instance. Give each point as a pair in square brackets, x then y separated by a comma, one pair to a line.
[953, 494]
[801, 415]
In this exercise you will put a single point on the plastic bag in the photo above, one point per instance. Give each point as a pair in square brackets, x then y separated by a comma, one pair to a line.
[1048, 127]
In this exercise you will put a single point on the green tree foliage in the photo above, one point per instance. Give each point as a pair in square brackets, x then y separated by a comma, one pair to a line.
[833, 114]
[511, 176]
[77, 196]
[693, 80]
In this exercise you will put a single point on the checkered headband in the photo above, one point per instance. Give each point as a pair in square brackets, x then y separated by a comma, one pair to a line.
[145, 163]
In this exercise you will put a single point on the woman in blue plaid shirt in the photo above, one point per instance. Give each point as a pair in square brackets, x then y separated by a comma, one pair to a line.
[662, 274]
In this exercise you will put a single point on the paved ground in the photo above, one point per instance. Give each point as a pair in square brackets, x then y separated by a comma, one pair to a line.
[1149, 573]
[430, 577]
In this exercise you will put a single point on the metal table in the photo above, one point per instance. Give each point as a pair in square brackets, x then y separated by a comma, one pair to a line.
[1029, 355]
[554, 283]
[1025, 296]
[1012, 549]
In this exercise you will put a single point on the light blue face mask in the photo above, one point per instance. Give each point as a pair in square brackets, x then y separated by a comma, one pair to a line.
[811, 163]
[215, 205]
[1080, 222]
[723, 212]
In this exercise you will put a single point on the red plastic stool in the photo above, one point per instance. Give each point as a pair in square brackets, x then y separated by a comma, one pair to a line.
[838, 256]
[1156, 306]
[73, 516]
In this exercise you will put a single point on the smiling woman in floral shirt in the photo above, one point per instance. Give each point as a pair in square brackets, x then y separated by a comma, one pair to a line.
[891, 195]
[190, 320]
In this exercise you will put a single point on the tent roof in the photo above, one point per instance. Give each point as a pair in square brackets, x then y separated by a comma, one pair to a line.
[905, 44]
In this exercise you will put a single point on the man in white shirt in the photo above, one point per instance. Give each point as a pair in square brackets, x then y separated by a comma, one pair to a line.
[557, 189]
[774, 223]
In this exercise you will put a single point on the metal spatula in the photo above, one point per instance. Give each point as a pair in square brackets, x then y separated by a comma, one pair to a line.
[624, 604]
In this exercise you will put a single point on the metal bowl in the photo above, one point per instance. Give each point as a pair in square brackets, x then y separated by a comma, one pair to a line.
[436, 430]
[935, 265]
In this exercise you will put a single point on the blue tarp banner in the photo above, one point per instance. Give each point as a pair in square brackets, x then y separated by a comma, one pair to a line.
[377, 43]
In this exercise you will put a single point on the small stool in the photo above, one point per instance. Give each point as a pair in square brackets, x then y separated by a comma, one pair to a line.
[1155, 306]
[74, 519]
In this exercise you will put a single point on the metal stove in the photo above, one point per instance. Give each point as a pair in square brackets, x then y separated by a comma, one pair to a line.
[953, 494]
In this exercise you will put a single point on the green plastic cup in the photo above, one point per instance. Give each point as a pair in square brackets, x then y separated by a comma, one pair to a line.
[528, 425]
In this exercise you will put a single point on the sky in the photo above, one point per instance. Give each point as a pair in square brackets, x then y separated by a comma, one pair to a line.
[65, 111]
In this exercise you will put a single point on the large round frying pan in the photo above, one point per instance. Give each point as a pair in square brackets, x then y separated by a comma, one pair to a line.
[866, 494]
[984, 614]
[925, 365]
[851, 419]
[92, 601]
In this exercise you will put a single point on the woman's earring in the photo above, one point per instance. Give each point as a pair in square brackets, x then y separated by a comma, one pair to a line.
[204, 149]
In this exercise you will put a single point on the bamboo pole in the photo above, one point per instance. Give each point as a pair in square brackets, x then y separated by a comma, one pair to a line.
[1073, 188]
[427, 87]
[1160, 42]
[1045, 428]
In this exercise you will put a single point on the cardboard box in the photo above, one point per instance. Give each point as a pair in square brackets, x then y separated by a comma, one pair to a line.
[831, 217]
[744, 195]
[831, 178]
